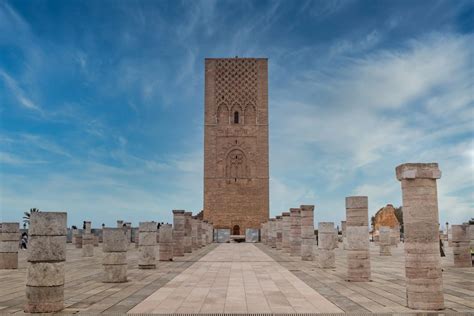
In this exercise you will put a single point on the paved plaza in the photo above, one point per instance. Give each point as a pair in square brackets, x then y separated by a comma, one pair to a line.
[238, 278]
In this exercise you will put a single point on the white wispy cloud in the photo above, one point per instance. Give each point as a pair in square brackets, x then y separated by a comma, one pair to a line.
[372, 112]
[18, 93]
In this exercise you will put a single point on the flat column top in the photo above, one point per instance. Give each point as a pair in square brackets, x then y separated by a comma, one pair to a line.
[409, 171]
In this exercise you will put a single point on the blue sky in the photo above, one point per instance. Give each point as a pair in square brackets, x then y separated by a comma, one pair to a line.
[101, 102]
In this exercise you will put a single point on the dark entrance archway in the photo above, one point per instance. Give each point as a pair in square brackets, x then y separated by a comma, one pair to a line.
[236, 230]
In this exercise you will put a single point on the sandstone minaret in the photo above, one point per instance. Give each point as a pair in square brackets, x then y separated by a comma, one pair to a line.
[236, 143]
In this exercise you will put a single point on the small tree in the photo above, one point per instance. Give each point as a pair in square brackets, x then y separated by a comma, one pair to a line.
[26, 218]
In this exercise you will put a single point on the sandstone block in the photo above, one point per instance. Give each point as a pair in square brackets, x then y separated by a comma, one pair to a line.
[48, 224]
[44, 299]
[115, 273]
[47, 248]
[8, 260]
[114, 240]
[45, 274]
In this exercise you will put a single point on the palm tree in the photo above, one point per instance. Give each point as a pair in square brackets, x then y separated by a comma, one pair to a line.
[26, 218]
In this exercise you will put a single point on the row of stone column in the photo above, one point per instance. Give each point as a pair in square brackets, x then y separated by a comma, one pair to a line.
[291, 232]
[47, 252]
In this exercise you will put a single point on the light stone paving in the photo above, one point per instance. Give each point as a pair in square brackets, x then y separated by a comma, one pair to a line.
[85, 292]
[236, 278]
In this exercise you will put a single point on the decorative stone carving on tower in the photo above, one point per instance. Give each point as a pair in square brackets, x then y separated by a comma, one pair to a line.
[236, 143]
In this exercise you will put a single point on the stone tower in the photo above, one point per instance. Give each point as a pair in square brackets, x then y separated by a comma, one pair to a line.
[236, 143]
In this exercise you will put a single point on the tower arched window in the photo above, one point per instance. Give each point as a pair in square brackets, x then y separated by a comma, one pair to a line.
[236, 117]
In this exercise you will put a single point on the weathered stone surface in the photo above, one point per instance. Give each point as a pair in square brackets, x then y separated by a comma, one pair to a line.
[147, 245]
[178, 233]
[45, 274]
[166, 243]
[46, 256]
[44, 299]
[78, 240]
[385, 241]
[461, 246]
[114, 240]
[410, 171]
[357, 232]
[236, 178]
[115, 273]
[326, 255]
[47, 248]
[9, 246]
[188, 244]
[194, 234]
[420, 217]
[147, 257]
[114, 258]
[286, 227]
[114, 262]
[147, 238]
[8, 260]
[307, 232]
[295, 232]
[48, 224]
[278, 233]
[357, 202]
[147, 226]
[87, 240]
[273, 232]
[6, 228]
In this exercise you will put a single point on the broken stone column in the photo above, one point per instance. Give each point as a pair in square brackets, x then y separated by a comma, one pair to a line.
[147, 245]
[188, 246]
[344, 236]
[74, 234]
[119, 224]
[87, 241]
[96, 240]
[295, 232]
[385, 241]
[211, 233]
[178, 233]
[199, 233]
[115, 247]
[471, 235]
[395, 235]
[279, 232]
[166, 242]
[9, 240]
[357, 232]
[46, 256]
[205, 232]
[267, 236]
[326, 254]
[128, 230]
[273, 233]
[78, 239]
[420, 217]
[461, 246]
[194, 234]
[307, 232]
[262, 233]
[286, 226]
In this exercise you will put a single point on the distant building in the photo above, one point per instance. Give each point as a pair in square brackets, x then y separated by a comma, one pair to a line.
[386, 217]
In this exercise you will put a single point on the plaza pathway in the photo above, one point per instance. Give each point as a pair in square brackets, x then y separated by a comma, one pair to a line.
[236, 278]
[239, 277]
